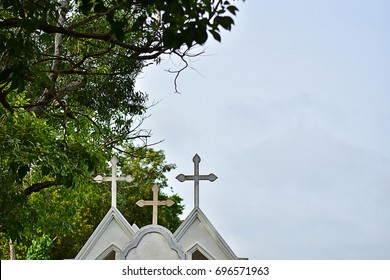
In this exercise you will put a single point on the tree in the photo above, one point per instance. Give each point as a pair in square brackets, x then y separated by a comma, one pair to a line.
[67, 98]
[95, 41]
[75, 70]
[69, 215]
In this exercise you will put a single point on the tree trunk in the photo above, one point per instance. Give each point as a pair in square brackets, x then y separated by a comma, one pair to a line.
[49, 94]
[12, 251]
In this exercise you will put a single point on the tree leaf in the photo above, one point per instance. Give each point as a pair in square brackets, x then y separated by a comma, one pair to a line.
[215, 35]
[224, 21]
[232, 9]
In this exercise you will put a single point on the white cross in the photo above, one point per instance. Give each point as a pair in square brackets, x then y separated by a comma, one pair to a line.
[196, 178]
[113, 180]
[155, 203]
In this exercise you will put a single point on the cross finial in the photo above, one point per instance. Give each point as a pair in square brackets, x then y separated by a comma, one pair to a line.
[196, 178]
[113, 180]
[155, 203]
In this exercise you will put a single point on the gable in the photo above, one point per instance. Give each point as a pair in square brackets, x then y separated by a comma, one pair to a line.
[112, 252]
[110, 237]
[197, 233]
[197, 252]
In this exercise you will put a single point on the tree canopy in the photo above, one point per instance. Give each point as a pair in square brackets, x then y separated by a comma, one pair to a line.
[69, 215]
[70, 66]
[95, 41]
[68, 103]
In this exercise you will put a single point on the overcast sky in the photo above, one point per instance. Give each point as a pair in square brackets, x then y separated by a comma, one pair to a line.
[291, 112]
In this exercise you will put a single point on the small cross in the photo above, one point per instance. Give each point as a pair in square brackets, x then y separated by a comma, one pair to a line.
[100, 179]
[196, 178]
[155, 203]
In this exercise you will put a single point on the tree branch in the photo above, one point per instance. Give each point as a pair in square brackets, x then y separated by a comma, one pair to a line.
[39, 186]
[90, 18]
[183, 56]
[11, 22]
[106, 37]
[150, 52]
[3, 100]
[90, 119]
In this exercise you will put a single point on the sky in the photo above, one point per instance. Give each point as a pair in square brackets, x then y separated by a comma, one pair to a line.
[291, 112]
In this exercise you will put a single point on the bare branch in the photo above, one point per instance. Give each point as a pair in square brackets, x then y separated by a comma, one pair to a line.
[185, 57]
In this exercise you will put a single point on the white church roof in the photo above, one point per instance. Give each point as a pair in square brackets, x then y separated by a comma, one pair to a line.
[196, 237]
[112, 235]
[197, 233]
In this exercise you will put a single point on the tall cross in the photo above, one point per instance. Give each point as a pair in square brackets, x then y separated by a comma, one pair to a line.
[196, 178]
[155, 203]
[113, 179]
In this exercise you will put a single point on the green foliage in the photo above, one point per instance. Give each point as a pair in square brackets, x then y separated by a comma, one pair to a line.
[40, 249]
[96, 41]
[147, 167]
[71, 214]
[67, 103]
